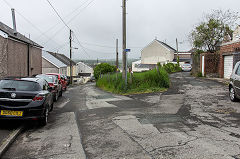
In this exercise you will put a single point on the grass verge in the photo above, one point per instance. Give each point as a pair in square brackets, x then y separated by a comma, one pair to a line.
[143, 82]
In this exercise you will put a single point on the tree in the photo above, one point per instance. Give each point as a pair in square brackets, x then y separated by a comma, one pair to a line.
[213, 30]
[103, 68]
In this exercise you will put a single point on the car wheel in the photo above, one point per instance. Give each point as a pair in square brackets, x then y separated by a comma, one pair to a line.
[232, 94]
[60, 93]
[43, 121]
[56, 96]
[51, 107]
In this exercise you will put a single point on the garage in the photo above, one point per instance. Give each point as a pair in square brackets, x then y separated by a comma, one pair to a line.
[228, 66]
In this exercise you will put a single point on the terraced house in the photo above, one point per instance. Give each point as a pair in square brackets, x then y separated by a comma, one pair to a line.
[19, 56]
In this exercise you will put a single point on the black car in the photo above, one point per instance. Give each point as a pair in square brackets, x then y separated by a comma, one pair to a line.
[234, 86]
[25, 98]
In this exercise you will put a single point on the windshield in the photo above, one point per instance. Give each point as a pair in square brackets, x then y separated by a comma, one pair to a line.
[48, 78]
[19, 85]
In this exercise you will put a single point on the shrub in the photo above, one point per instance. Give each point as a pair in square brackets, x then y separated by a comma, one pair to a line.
[199, 74]
[150, 81]
[103, 68]
[171, 68]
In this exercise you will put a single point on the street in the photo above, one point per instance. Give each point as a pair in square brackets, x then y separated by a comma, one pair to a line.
[193, 119]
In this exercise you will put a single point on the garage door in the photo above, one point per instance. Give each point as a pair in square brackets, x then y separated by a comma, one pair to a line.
[228, 66]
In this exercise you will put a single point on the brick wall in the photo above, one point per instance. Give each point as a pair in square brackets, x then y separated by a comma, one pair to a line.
[196, 63]
[211, 61]
[229, 49]
[3, 57]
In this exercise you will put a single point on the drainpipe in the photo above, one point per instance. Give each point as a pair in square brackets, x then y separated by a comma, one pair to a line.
[28, 59]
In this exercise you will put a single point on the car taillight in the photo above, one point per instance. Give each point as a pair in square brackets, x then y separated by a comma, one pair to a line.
[38, 98]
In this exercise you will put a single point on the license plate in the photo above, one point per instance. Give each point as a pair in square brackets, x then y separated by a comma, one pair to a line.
[11, 113]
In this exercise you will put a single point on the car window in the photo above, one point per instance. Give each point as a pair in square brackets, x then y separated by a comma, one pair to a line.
[45, 85]
[19, 85]
[238, 70]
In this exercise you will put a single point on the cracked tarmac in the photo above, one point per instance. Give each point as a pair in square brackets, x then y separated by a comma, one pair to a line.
[194, 119]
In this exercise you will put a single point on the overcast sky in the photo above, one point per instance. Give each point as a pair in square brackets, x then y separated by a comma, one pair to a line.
[97, 23]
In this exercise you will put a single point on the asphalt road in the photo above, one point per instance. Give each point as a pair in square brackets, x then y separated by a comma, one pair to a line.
[193, 119]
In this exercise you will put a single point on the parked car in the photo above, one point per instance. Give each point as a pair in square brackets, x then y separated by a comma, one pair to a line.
[186, 67]
[234, 85]
[25, 98]
[63, 82]
[54, 84]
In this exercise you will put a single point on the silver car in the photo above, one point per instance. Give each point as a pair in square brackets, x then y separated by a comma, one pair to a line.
[234, 85]
[186, 67]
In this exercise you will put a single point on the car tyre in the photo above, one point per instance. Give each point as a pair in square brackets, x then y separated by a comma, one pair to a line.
[44, 120]
[56, 97]
[51, 107]
[232, 94]
[60, 93]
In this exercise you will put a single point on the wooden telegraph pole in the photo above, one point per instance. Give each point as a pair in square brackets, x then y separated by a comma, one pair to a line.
[117, 53]
[124, 53]
[70, 38]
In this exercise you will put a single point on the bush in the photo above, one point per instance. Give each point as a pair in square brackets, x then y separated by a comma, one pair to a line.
[199, 74]
[171, 68]
[103, 68]
[150, 81]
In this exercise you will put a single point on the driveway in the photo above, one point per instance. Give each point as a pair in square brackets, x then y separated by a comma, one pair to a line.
[193, 119]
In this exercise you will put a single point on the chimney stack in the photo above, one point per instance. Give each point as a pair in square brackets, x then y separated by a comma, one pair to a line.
[14, 21]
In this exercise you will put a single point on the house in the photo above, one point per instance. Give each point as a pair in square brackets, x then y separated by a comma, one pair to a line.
[83, 70]
[64, 59]
[184, 57]
[223, 62]
[19, 56]
[157, 51]
[137, 66]
[51, 64]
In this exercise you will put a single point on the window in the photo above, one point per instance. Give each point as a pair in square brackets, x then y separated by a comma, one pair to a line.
[238, 70]
[19, 85]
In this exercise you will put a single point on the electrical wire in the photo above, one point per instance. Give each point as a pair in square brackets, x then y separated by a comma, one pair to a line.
[35, 27]
[68, 22]
[52, 27]
[83, 48]
[58, 15]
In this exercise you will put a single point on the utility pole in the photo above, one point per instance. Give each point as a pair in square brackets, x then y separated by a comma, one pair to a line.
[70, 38]
[124, 54]
[117, 53]
[177, 51]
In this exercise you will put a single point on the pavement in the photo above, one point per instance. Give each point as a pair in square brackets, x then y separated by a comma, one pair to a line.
[194, 119]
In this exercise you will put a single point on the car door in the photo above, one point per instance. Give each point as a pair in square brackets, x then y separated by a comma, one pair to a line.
[236, 80]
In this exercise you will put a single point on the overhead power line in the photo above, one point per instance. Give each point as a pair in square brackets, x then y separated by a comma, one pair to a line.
[83, 48]
[34, 26]
[52, 27]
[58, 15]
[69, 21]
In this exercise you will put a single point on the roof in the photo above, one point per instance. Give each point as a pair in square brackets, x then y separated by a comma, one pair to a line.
[53, 60]
[64, 59]
[166, 45]
[84, 64]
[6, 29]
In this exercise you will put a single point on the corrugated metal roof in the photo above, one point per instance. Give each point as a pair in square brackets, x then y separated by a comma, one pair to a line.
[52, 59]
[17, 36]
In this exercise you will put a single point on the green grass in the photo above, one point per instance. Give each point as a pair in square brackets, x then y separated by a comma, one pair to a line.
[144, 82]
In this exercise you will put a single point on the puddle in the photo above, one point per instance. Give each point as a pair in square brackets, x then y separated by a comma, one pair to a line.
[159, 118]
